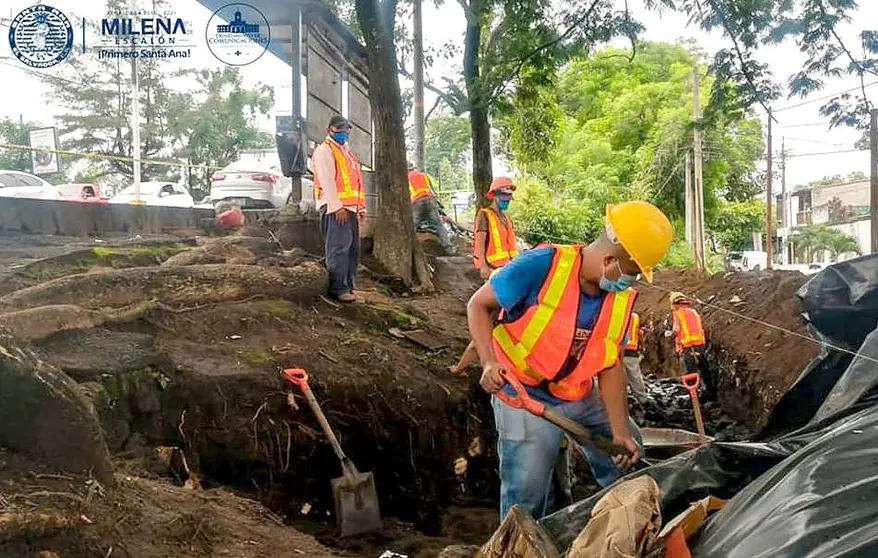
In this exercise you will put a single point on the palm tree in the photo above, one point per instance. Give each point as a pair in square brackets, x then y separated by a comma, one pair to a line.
[840, 243]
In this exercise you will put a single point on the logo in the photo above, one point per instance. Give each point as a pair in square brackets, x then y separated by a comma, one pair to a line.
[41, 36]
[238, 34]
[145, 34]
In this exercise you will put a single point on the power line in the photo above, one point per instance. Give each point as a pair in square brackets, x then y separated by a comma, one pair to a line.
[790, 156]
[816, 99]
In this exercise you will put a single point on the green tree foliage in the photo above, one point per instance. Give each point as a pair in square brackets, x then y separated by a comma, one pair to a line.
[624, 127]
[736, 221]
[13, 132]
[213, 122]
[813, 238]
[446, 151]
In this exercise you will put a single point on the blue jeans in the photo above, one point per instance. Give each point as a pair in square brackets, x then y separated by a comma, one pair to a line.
[528, 446]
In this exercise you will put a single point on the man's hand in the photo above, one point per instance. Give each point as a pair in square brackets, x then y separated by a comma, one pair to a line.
[341, 216]
[492, 377]
[485, 271]
[625, 462]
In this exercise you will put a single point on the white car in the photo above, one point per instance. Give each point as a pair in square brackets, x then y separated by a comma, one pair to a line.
[252, 184]
[17, 184]
[159, 194]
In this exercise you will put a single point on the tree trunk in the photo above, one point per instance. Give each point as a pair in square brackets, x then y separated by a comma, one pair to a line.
[480, 127]
[395, 244]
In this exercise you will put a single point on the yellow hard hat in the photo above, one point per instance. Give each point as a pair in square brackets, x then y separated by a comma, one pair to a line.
[643, 231]
[676, 297]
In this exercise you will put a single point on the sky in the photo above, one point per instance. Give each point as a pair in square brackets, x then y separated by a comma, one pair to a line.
[801, 128]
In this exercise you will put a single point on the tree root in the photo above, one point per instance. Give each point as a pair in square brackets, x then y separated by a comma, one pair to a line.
[33, 525]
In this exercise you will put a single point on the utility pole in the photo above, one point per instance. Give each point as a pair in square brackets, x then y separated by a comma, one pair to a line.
[768, 243]
[783, 211]
[689, 202]
[135, 119]
[698, 205]
[873, 211]
[419, 86]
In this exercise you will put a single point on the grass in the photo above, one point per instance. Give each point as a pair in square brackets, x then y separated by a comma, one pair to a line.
[257, 357]
[278, 308]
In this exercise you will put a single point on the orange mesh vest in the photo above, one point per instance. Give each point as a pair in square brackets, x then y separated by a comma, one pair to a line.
[536, 346]
[348, 178]
[419, 186]
[633, 333]
[690, 332]
[501, 240]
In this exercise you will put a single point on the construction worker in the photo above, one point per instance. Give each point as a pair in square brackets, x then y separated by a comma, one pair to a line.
[567, 309]
[631, 359]
[493, 246]
[689, 338]
[341, 201]
[425, 206]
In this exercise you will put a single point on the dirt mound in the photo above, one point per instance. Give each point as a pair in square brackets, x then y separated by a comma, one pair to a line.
[748, 318]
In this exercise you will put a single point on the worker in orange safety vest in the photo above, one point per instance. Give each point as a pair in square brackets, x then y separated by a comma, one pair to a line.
[493, 246]
[341, 201]
[566, 313]
[425, 206]
[632, 357]
[689, 337]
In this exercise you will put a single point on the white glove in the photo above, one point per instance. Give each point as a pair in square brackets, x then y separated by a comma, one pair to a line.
[669, 333]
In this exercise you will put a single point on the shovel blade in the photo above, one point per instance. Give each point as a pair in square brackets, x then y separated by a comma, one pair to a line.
[356, 504]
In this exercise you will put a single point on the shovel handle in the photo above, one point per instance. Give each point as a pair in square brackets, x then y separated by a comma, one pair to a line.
[299, 378]
[521, 399]
[691, 381]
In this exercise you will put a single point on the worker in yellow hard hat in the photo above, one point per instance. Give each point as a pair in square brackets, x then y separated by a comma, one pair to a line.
[567, 312]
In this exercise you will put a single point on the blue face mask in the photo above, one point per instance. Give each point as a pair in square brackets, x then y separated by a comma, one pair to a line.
[503, 204]
[620, 284]
[340, 137]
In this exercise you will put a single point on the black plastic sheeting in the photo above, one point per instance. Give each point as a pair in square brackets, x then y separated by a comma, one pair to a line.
[810, 489]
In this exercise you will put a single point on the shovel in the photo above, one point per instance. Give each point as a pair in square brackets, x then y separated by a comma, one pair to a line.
[692, 382]
[356, 501]
[579, 433]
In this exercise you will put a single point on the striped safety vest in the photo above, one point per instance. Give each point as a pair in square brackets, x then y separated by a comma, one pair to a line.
[690, 331]
[501, 240]
[536, 346]
[419, 186]
[348, 178]
[633, 333]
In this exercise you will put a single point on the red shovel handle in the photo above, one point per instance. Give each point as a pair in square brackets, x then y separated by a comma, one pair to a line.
[521, 399]
[691, 381]
[298, 377]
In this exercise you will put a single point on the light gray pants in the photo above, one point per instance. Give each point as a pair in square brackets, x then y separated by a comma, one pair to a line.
[635, 377]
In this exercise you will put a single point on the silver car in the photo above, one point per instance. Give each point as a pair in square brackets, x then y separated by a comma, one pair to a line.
[252, 184]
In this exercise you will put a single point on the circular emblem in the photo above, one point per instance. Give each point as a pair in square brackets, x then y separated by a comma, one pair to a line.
[237, 34]
[41, 36]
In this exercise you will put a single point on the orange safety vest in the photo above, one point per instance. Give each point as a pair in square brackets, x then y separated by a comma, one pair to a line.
[501, 240]
[536, 346]
[633, 333]
[419, 186]
[690, 331]
[348, 178]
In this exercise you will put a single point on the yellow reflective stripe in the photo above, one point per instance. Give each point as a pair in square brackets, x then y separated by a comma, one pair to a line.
[617, 318]
[342, 166]
[499, 252]
[518, 352]
[687, 336]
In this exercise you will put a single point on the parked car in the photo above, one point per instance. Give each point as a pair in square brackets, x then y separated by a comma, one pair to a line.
[161, 194]
[252, 184]
[751, 260]
[81, 192]
[17, 184]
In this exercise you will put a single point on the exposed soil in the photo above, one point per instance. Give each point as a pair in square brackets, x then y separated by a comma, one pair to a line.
[204, 377]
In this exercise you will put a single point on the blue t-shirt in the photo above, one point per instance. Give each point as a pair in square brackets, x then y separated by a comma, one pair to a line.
[517, 286]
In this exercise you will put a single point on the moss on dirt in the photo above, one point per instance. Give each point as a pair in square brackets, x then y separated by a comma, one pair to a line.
[257, 357]
[279, 308]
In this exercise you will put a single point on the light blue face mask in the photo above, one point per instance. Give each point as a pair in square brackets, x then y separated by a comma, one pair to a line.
[340, 137]
[623, 282]
[503, 204]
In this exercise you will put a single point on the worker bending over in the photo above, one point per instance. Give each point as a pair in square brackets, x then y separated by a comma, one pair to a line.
[341, 201]
[632, 358]
[425, 206]
[493, 246]
[689, 338]
[566, 310]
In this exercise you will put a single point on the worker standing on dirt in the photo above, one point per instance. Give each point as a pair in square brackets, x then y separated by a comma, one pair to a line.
[341, 201]
[567, 312]
[689, 337]
[632, 358]
[425, 206]
[493, 246]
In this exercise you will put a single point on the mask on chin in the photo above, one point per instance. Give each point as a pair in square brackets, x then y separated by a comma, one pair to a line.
[616, 285]
[503, 204]
[340, 137]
